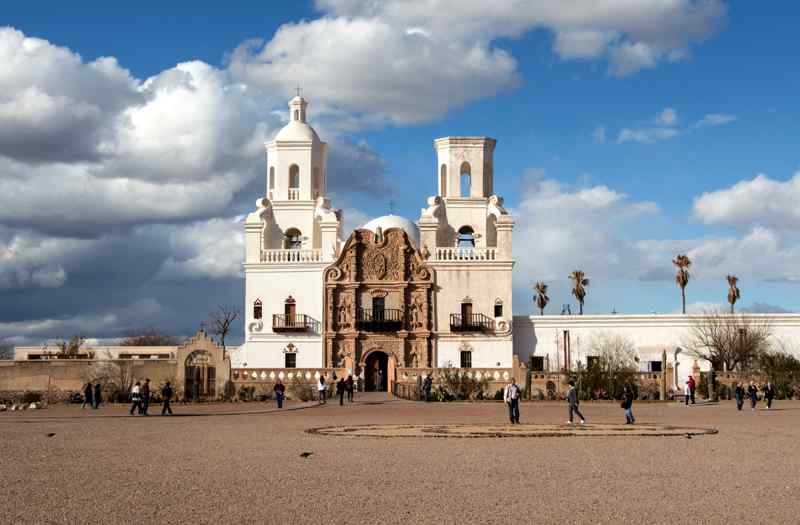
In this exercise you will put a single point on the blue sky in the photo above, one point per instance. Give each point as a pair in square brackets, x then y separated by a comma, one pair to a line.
[624, 138]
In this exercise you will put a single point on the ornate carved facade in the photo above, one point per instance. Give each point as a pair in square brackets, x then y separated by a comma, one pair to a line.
[378, 299]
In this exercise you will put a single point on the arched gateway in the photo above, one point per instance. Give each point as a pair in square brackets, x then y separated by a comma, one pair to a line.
[378, 307]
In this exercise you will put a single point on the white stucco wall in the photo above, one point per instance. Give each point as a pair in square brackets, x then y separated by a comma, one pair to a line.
[273, 284]
[651, 334]
[487, 352]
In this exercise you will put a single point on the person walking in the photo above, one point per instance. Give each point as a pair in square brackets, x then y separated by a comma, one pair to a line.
[349, 385]
[280, 392]
[572, 400]
[144, 393]
[98, 396]
[361, 379]
[752, 392]
[321, 388]
[692, 386]
[87, 395]
[511, 397]
[136, 400]
[427, 386]
[166, 399]
[769, 394]
[687, 393]
[340, 388]
[738, 393]
[627, 404]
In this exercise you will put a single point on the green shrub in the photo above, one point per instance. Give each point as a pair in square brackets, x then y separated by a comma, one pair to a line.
[456, 385]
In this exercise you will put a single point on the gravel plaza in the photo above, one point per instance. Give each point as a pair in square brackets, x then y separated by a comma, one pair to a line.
[249, 463]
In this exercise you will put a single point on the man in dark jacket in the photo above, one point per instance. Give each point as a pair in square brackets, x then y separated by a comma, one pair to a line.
[88, 395]
[144, 393]
[738, 393]
[349, 385]
[340, 389]
[166, 396]
[572, 401]
[752, 392]
[627, 404]
[98, 395]
[427, 386]
[769, 394]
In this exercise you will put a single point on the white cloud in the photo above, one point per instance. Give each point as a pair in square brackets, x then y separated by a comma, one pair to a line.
[646, 135]
[212, 249]
[716, 119]
[761, 201]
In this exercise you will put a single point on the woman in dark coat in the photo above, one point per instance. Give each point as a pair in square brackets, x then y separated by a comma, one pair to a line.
[280, 392]
[98, 395]
[627, 404]
[87, 395]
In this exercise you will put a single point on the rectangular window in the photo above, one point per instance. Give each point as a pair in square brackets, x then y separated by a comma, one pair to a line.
[257, 311]
[592, 361]
[498, 310]
[291, 361]
[537, 363]
[466, 359]
[655, 366]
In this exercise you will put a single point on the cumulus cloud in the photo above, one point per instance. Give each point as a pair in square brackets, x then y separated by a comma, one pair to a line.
[365, 57]
[212, 249]
[761, 201]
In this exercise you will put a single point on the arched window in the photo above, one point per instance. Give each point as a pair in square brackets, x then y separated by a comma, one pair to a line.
[257, 309]
[443, 181]
[466, 179]
[294, 176]
[293, 239]
[272, 178]
[498, 307]
[466, 237]
[297, 114]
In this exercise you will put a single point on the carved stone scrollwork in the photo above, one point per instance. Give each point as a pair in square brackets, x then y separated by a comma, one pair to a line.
[255, 326]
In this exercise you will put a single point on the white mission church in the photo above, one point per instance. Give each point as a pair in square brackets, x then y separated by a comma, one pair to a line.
[395, 297]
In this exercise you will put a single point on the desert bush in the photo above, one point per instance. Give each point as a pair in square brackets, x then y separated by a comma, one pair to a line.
[649, 391]
[228, 391]
[456, 385]
[246, 393]
[783, 370]
[31, 397]
[300, 390]
[614, 366]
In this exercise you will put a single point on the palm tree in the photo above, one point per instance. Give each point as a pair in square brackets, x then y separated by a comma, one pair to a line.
[541, 298]
[733, 291]
[579, 289]
[682, 277]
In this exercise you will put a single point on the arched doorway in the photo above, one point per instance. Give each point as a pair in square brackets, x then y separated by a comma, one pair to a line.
[200, 376]
[376, 372]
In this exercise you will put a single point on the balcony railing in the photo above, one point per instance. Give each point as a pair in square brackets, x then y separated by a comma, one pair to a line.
[294, 194]
[471, 323]
[465, 254]
[379, 319]
[291, 256]
[291, 323]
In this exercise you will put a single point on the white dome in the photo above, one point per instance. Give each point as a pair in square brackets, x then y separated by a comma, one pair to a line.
[394, 221]
[297, 131]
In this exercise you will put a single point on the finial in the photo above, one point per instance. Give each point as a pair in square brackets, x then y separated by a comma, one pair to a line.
[202, 326]
[298, 90]
[391, 207]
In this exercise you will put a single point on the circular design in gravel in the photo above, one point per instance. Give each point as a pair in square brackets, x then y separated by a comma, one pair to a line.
[495, 431]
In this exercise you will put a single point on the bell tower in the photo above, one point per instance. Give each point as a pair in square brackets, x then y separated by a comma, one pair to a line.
[464, 167]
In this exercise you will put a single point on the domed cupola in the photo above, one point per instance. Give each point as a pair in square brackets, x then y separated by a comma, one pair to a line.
[394, 221]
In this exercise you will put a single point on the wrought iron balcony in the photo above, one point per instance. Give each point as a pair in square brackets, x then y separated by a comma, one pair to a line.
[291, 323]
[379, 319]
[471, 323]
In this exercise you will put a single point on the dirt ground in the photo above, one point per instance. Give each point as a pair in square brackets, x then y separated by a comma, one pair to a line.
[245, 464]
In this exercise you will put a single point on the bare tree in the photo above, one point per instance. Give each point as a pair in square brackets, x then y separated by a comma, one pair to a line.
[221, 320]
[70, 349]
[6, 351]
[148, 337]
[541, 298]
[580, 282]
[729, 341]
[682, 277]
[614, 363]
[116, 376]
[733, 291]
